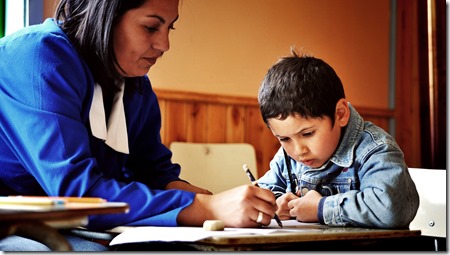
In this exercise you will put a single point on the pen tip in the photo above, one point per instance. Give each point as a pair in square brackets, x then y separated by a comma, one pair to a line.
[245, 167]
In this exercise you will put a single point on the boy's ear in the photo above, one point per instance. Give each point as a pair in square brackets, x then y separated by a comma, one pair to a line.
[342, 112]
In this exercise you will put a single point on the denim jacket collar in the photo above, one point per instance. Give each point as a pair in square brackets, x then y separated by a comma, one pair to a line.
[344, 155]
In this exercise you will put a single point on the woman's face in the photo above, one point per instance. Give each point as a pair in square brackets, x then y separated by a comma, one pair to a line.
[141, 36]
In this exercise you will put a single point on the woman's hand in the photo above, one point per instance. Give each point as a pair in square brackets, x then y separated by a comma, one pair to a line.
[237, 207]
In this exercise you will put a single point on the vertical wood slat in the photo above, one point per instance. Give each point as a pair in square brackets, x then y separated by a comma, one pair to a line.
[216, 121]
[205, 118]
[196, 122]
[259, 135]
[407, 114]
[175, 121]
[235, 125]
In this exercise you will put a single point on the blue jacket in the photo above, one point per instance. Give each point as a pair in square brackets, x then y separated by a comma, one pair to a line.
[365, 183]
[46, 145]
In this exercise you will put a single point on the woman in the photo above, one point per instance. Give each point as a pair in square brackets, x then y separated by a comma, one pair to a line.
[79, 118]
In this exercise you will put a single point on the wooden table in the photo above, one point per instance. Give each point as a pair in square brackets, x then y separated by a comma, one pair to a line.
[327, 238]
[41, 223]
[307, 237]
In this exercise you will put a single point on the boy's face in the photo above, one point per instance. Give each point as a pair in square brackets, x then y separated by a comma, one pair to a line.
[311, 141]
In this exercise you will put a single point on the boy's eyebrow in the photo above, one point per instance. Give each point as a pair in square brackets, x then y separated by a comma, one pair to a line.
[299, 132]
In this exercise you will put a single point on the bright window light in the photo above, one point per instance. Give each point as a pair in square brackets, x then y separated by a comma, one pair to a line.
[15, 16]
[22, 13]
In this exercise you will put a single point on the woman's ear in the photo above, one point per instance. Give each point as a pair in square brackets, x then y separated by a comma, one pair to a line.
[342, 112]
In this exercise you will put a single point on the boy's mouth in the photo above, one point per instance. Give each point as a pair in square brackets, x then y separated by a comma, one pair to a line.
[307, 162]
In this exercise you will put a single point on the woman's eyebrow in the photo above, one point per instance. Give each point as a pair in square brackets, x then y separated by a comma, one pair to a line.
[161, 19]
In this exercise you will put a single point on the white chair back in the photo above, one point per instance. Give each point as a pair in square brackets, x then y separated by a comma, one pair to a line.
[214, 166]
[431, 215]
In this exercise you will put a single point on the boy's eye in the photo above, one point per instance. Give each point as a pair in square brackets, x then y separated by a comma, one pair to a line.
[307, 134]
[284, 139]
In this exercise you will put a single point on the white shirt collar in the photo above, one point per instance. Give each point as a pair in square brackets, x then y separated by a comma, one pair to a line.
[115, 133]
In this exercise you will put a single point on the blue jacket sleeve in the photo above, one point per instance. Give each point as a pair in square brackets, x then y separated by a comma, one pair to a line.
[45, 145]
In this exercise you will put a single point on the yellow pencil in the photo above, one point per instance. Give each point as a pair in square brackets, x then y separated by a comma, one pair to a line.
[83, 199]
[67, 199]
[17, 200]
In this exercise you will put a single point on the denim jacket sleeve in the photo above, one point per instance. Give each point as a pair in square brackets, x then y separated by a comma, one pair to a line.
[386, 196]
[276, 178]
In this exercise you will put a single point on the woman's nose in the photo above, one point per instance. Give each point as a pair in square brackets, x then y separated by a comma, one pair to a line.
[162, 42]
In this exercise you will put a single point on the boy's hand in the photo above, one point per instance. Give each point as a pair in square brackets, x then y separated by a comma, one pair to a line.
[282, 203]
[305, 209]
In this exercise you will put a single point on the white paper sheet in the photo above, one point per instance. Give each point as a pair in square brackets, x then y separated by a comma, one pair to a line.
[192, 234]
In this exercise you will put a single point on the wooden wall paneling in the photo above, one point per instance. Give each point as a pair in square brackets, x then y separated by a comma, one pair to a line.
[432, 82]
[379, 121]
[425, 103]
[440, 158]
[254, 130]
[379, 117]
[259, 135]
[196, 117]
[271, 146]
[216, 123]
[407, 115]
[235, 124]
[175, 121]
[196, 122]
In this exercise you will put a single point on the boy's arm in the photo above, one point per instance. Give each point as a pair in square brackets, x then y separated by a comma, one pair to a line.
[387, 197]
[274, 178]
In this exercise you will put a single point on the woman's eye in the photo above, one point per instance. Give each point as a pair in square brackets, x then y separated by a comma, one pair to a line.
[155, 29]
[151, 29]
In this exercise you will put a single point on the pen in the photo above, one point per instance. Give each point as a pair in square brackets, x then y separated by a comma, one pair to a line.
[253, 180]
[292, 178]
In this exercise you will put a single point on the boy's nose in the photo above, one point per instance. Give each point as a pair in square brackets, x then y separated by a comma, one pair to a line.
[300, 149]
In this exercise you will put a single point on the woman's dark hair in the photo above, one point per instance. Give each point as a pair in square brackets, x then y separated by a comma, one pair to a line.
[89, 26]
[301, 85]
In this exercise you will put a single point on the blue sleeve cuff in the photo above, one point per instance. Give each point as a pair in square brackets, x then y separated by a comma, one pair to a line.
[320, 211]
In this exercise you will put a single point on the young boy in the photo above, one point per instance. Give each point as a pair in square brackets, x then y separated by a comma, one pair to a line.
[333, 167]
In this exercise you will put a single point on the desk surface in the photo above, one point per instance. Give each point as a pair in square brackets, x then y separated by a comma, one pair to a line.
[39, 222]
[328, 234]
[29, 212]
[295, 235]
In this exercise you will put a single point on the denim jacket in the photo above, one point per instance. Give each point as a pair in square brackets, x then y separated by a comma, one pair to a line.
[365, 183]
